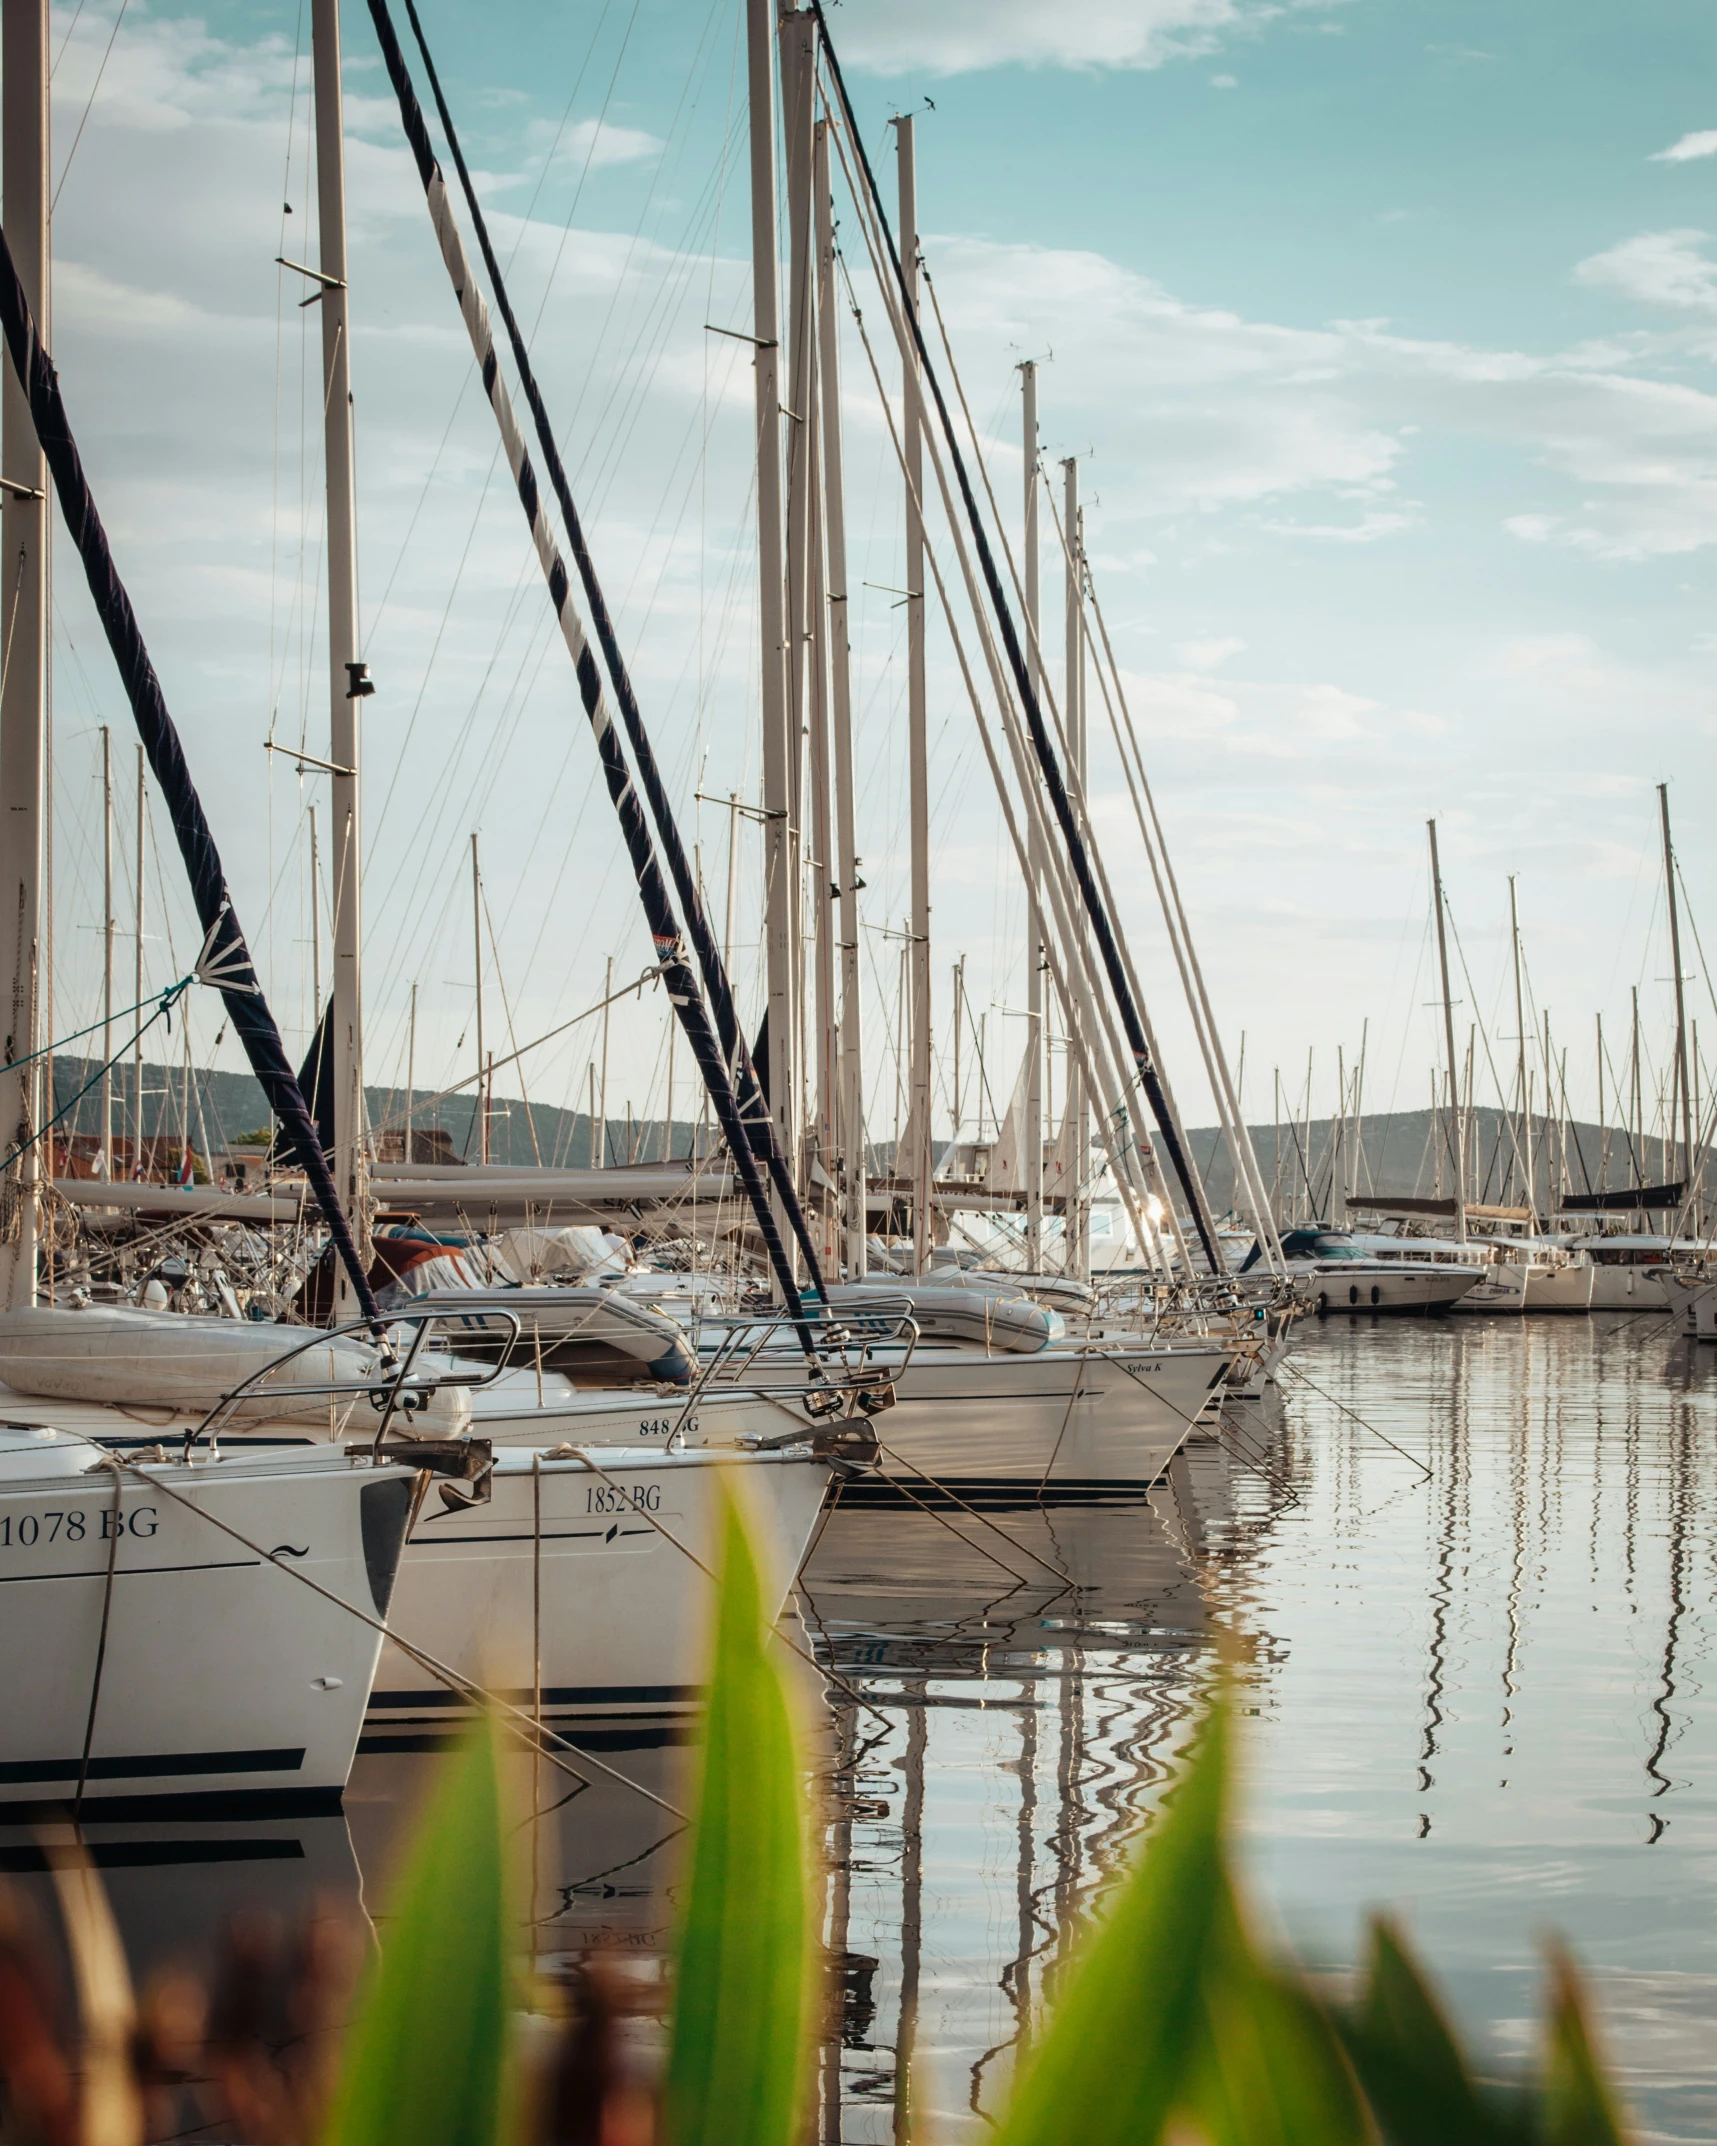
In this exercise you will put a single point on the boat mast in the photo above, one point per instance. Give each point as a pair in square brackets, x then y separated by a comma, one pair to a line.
[477, 972]
[348, 680]
[1455, 1124]
[1076, 1107]
[25, 527]
[107, 953]
[850, 1087]
[1603, 1121]
[1636, 1113]
[802, 641]
[918, 1161]
[137, 970]
[1683, 1087]
[410, 1071]
[315, 924]
[1520, 1032]
[1033, 915]
[779, 746]
[1338, 1145]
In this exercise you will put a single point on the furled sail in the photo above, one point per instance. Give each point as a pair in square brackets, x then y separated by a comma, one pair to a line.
[747, 1066]
[682, 986]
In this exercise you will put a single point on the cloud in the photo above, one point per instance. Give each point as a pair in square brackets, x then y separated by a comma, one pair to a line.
[1688, 148]
[1367, 530]
[1310, 432]
[1663, 268]
[599, 143]
[889, 37]
[1207, 655]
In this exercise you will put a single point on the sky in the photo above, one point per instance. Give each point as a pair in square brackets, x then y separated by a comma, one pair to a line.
[1384, 338]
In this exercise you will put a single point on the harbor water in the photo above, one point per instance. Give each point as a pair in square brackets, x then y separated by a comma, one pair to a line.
[1463, 1571]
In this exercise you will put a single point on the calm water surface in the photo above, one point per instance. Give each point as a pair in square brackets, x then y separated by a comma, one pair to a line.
[1474, 1663]
[1477, 1695]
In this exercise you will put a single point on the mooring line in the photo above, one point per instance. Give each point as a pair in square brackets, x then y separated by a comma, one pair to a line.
[1289, 1365]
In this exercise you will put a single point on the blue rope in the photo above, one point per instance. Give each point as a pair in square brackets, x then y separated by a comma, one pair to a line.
[164, 1004]
[164, 1010]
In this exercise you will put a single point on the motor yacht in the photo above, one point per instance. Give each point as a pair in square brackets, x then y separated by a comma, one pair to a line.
[1345, 1271]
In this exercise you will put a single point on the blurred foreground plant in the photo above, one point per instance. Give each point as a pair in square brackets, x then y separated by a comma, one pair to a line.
[1170, 2023]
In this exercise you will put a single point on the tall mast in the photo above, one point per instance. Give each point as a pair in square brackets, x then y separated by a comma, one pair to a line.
[1636, 1110]
[803, 639]
[1033, 916]
[1683, 1087]
[780, 747]
[917, 719]
[1520, 1032]
[1603, 1119]
[107, 952]
[410, 1071]
[137, 971]
[1449, 1038]
[1338, 1145]
[315, 922]
[348, 682]
[25, 528]
[477, 971]
[850, 1088]
[1076, 1110]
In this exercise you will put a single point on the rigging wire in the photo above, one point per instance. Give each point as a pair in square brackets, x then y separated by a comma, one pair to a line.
[65, 168]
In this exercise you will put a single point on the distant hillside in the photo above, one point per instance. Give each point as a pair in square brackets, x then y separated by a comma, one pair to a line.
[1389, 1152]
[1399, 1151]
[224, 1106]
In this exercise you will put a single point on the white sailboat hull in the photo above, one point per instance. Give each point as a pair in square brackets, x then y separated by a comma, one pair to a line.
[1617, 1288]
[510, 1413]
[1501, 1291]
[1560, 1288]
[568, 1574]
[224, 1679]
[1694, 1301]
[1071, 1422]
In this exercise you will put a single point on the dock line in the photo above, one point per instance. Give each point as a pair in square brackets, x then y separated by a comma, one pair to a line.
[1289, 1365]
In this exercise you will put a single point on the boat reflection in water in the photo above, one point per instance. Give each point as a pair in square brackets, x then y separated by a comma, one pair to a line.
[600, 1857]
[177, 1886]
[1015, 1685]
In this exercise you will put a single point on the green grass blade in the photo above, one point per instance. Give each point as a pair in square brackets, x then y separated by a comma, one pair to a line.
[1271, 2071]
[1112, 2060]
[741, 2003]
[1577, 2109]
[1408, 2061]
[426, 2054]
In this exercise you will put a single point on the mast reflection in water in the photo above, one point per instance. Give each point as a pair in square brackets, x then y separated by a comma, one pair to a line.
[1477, 1696]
